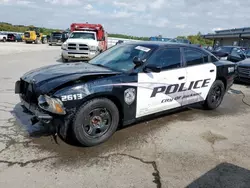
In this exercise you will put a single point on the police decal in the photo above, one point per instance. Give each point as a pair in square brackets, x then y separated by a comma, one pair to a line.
[129, 95]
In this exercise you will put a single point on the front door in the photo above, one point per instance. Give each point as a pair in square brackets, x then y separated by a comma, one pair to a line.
[201, 73]
[164, 90]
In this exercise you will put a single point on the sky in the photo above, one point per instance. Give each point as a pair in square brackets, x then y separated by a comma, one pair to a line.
[169, 18]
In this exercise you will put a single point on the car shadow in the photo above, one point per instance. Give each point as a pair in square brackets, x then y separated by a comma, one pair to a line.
[37, 130]
[223, 175]
[242, 83]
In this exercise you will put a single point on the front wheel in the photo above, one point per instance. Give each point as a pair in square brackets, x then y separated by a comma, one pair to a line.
[64, 60]
[215, 95]
[95, 122]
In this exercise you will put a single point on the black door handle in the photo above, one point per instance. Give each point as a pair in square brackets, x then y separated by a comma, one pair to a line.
[212, 70]
[181, 78]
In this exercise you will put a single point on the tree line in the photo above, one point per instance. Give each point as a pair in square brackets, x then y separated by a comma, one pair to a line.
[194, 39]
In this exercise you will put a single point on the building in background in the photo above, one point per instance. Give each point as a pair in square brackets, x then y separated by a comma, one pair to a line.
[229, 37]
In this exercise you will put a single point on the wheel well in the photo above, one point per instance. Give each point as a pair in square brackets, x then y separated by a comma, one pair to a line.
[223, 80]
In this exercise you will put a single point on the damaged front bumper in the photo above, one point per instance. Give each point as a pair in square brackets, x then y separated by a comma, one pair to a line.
[37, 116]
[51, 124]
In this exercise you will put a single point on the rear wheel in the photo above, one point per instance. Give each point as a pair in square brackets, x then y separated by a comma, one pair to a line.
[215, 95]
[4, 39]
[95, 122]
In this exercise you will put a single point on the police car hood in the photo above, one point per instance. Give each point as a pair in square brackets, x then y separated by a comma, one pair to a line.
[89, 42]
[50, 77]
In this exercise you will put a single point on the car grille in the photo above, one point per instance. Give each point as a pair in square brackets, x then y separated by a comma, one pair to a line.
[73, 46]
[28, 94]
[244, 71]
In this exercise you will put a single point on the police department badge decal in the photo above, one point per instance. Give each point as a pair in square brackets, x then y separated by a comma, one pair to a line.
[129, 95]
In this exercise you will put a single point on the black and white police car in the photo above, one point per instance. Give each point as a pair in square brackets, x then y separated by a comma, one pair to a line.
[126, 83]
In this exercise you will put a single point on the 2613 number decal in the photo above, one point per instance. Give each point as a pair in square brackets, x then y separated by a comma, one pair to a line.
[72, 97]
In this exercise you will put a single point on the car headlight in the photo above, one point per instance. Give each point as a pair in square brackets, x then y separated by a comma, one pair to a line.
[93, 48]
[223, 58]
[64, 46]
[52, 105]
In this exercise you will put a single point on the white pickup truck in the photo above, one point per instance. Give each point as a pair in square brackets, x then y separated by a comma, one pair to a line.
[81, 45]
[3, 37]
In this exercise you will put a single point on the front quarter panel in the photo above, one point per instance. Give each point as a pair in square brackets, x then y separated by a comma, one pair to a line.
[74, 95]
[114, 88]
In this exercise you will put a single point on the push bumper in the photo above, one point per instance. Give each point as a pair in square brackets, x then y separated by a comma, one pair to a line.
[77, 55]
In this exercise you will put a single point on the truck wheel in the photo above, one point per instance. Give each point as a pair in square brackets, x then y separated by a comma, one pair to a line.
[215, 95]
[64, 60]
[95, 122]
[4, 39]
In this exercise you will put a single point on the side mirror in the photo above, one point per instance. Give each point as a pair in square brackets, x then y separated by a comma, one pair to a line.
[137, 61]
[152, 68]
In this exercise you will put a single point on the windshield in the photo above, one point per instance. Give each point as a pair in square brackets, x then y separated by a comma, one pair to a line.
[179, 40]
[120, 57]
[82, 35]
[56, 34]
[224, 49]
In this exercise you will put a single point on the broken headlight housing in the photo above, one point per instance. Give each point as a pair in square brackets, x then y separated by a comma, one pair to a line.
[50, 104]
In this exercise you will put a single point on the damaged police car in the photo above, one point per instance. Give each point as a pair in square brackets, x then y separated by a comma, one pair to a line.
[126, 83]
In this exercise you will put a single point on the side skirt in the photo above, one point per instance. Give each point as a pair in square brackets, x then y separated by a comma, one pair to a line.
[159, 114]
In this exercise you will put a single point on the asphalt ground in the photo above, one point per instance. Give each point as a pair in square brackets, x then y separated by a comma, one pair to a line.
[189, 148]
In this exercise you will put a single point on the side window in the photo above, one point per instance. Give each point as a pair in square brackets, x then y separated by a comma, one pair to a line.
[167, 58]
[195, 57]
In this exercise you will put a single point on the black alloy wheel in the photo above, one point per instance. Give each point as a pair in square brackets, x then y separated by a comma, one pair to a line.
[95, 121]
[215, 95]
[98, 123]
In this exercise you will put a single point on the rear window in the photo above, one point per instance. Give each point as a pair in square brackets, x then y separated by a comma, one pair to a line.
[57, 34]
[27, 34]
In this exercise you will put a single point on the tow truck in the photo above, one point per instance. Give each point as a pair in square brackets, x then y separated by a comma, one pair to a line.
[85, 42]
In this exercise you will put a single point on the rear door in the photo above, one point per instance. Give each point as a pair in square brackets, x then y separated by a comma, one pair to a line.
[201, 73]
[163, 90]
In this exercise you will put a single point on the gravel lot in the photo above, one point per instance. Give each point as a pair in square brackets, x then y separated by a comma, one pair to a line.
[190, 148]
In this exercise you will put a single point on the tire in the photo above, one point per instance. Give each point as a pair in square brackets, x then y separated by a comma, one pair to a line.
[64, 60]
[4, 39]
[92, 134]
[210, 102]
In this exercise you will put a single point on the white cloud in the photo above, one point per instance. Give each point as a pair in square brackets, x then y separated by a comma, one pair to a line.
[64, 2]
[18, 2]
[181, 26]
[122, 14]
[88, 7]
[157, 4]
[136, 17]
